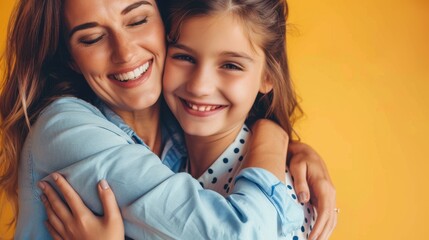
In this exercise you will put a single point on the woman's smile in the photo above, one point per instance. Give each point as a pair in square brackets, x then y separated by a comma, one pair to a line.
[132, 78]
[133, 74]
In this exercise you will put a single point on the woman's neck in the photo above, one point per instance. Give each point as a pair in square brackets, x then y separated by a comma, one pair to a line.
[146, 124]
[203, 151]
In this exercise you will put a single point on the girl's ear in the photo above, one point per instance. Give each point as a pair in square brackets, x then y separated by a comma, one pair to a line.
[266, 85]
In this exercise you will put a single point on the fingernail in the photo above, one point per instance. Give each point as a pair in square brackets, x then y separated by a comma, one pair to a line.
[302, 196]
[41, 185]
[104, 185]
[55, 176]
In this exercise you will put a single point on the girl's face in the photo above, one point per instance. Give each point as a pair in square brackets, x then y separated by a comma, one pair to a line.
[119, 47]
[212, 75]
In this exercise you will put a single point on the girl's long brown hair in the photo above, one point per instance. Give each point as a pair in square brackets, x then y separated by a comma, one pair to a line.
[35, 72]
[265, 19]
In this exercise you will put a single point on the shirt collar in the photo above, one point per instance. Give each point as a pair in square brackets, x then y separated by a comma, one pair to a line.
[119, 122]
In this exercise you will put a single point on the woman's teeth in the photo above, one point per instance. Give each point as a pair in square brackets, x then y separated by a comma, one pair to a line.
[131, 75]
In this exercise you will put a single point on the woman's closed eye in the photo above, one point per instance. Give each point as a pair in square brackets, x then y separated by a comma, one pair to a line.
[138, 22]
[87, 41]
[94, 38]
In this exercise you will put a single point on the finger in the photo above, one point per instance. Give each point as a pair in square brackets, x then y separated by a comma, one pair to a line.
[328, 227]
[321, 222]
[298, 169]
[325, 206]
[334, 225]
[108, 200]
[56, 204]
[54, 222]
[325, 215]
[77, 207]
[54, 234]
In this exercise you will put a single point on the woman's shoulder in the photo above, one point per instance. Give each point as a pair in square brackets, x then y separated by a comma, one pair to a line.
[70, 104]
[71, 128]
[69, 112]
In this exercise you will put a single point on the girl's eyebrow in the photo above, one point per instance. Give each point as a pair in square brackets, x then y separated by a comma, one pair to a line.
[237, 55]
[224, 53]
[181, 46]
[95, 24]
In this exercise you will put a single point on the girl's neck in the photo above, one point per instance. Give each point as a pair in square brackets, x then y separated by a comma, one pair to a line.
[146, 124]
[203, 151]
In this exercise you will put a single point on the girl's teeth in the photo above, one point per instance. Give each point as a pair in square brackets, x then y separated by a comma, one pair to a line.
[201, 108]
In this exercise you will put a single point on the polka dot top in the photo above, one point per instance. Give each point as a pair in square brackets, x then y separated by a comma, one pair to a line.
[220, 178]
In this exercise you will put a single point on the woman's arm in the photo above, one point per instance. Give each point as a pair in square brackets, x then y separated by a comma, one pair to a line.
[268, 148]
[302, 157]
[71, 138]
[311, 176]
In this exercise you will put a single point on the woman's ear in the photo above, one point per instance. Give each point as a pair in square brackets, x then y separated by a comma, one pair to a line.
[266, 85]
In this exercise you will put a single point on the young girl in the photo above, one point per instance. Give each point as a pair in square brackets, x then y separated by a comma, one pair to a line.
[226, 67]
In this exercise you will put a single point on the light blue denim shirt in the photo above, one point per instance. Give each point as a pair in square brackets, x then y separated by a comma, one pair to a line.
[87, 144]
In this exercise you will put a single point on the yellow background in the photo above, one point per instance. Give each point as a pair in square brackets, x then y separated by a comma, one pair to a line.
[362, 71]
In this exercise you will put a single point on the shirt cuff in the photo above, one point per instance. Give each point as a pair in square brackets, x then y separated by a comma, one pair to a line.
[290, 213]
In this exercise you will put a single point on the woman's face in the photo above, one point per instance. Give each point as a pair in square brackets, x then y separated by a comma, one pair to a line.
[119, 47]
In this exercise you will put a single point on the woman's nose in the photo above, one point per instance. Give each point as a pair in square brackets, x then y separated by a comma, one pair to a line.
[123, 49]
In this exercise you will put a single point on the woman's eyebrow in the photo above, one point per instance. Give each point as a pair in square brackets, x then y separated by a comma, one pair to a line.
[134, 6]
[95, 24]
[82, 27]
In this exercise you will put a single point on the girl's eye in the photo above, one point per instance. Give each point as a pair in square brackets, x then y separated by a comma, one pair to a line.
[143, 21]
[183, 57]
[91, 41]
[231, 66]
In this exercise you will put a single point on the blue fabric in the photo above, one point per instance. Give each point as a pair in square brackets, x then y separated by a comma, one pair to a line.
[76, 139]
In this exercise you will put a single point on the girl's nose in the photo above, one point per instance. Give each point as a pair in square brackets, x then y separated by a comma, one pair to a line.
[201, 82]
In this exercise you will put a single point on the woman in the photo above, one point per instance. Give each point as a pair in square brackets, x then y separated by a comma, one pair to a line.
[117, 48]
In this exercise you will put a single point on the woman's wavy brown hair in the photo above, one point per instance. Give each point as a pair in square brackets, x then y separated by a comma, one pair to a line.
[35, 72]
[265, 21]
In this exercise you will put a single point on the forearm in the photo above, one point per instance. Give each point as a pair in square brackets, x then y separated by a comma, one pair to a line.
[268, 148]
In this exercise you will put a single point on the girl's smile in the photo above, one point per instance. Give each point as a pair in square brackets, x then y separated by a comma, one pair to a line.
[211, 80]
[201, 109]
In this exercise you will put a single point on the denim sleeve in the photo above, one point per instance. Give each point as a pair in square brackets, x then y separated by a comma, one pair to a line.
[74, 139]
[290, 214]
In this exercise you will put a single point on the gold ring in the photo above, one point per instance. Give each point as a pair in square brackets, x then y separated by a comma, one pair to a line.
[337, 210]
